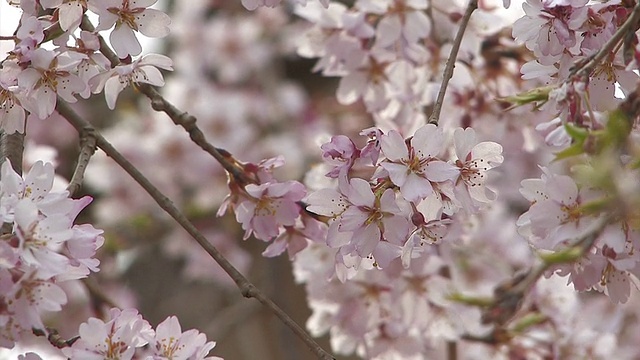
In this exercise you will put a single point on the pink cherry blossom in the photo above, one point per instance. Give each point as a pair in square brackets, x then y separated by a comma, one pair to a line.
[171, 343]
[117, 338]
[269, 206]
[413, 168]
[49, 76]
[474, 160]
[143, 70]
[129, 16]
[69, 12]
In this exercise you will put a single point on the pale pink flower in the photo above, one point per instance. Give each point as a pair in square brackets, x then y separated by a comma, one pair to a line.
[41, 239]
[268, 207]
[341, 153]
[69, 12]
[117, 338]
[171, 343]
[549, 27]
[474, 160]
[401, 19]
[50, 75]
[372, 218]
[143, 70]
[12, 114]
[129, 16]
[295, 238]
[414, 167]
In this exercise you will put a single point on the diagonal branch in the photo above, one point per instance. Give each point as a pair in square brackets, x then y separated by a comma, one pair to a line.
[247, 289]
[451, 61]
[188, 122]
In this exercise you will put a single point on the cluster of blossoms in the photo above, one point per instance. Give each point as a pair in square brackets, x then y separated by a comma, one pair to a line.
[32, 77]
[126, 335]
[558, 214]
[386, 52]
[565, 34]
[411, 194]
[40, 249]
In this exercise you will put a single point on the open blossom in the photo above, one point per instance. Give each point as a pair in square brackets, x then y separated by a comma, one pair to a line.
[549, 27]
[268, 207]
[474, 160]
[49, 76]
[117, 338]
[129, 16]
[366, 217]
[69, 12]
[143, 70]
[12, 113]
[413, 168]
[125, 333]
[171, 343]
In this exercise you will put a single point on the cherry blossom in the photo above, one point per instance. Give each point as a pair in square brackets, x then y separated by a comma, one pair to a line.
[171, 343]
[269, 206]
[414, 168]
[49, 76]
[143, 70]
[69, 12]
[474, 160]
[129, 16]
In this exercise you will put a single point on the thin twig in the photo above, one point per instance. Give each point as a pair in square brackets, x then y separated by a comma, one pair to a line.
[188, 122]
[54, 337]
[87, 149]
[509, 295]
[451, 61]
[180, 118]
[247, 289]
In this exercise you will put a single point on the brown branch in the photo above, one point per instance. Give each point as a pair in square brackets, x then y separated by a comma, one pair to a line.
[509, 295]
[180, 118]
[54, 338]
[247, 289]
[12, 148]
[87, 149]
[451, 61]
[188, 122]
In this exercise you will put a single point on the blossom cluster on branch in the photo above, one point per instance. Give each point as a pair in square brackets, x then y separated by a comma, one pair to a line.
[489, 203]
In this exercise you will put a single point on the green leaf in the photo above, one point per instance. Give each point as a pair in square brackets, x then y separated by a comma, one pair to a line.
[573, 150]
[538, 95]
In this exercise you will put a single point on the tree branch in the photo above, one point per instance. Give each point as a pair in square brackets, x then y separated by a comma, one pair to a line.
[451, 61]
[247, 288]
[87, 149]
[188, 122]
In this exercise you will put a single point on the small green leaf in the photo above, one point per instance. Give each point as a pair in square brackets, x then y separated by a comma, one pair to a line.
[528, 321]
[471, 300]
[563, 256]
[538, 95]
[573, 150]
[577, 133]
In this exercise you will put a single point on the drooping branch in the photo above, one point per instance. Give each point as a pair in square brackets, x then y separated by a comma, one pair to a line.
[188, 122]
[451, 61]
[247, 289]
[508, 296]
